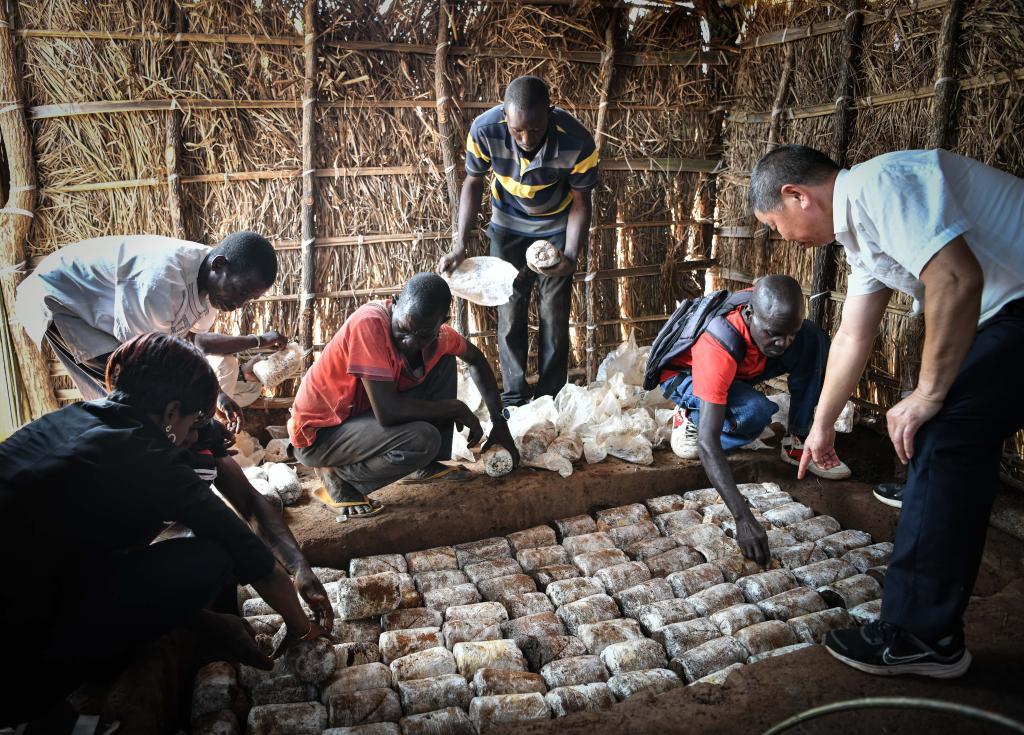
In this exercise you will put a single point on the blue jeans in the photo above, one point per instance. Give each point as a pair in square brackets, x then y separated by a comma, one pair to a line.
[748, 411]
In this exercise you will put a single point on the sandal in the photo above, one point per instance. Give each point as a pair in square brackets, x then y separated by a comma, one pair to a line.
[458, 473]
[344, 508]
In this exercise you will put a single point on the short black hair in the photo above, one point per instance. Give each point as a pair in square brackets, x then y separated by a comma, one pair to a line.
[527, 93]
[787, 164]
[154, 369]
[249, 253]
[425, 295]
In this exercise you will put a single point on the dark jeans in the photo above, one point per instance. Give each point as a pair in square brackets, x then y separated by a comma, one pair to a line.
[62, 636]
[555, 297]
[952, 481]
[748, 411]
[368, 456]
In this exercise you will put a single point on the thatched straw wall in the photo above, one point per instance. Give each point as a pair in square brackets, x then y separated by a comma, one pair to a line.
[896, 105]
[143, 119]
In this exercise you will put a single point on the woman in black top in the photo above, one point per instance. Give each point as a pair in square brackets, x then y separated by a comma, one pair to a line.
[83, 492]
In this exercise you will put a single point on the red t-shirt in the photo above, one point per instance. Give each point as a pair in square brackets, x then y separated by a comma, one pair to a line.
[713, 368]
[332, 389]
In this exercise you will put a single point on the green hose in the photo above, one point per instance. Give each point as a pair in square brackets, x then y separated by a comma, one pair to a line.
[898, 703]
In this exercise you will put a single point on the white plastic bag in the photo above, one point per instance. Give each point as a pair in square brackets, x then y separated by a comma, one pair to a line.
[575, 407]
[467, 392]
[497, 461]
[278, 367]
[522, 418]
[535, 440]
[627, 359]
[663, 432]
[551, 461]
[276, 451]
[460, 447]
[628, 395]
[843, 425]
[250, 452]
[635, 449]
[568, 446]
[483, 280]
[285, 481]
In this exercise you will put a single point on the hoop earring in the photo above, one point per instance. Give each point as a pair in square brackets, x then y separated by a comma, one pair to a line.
[170, 434]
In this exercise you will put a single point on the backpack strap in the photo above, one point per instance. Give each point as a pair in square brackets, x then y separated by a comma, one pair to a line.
[729, 337]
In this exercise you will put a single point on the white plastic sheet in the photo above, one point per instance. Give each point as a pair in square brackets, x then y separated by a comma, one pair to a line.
[483, 280]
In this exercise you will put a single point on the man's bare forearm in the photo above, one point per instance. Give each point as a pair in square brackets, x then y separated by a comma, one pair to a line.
[578, 227]
[847, 359]
[212, 343]
[953, 288]
[712, 457]
[483, 378]
[259, 514]
[469, 209]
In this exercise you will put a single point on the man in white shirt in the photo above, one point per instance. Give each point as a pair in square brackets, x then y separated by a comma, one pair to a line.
[948, 231]
[89, 297]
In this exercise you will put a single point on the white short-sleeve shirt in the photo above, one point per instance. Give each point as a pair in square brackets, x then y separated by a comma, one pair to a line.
[102, 292]
[895, 212]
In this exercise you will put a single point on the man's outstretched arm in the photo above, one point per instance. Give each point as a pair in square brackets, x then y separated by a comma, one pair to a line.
[750, 535]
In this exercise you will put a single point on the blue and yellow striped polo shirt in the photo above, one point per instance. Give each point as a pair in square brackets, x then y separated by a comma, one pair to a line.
[532, 197]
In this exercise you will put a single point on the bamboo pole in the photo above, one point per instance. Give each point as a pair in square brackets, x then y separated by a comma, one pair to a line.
[823, 270]
[445, 108]
[16, 221]
[659, 165]
[666, 58]
[309, 94]
[774, 135]
[636, 271]
[102, 107]
[172, 151]
[785, 35]
[718, 26]
[944, 102]
[606, 75]
[996, 79]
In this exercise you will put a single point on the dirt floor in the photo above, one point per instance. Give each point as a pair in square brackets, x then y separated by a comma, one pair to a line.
[147, 695]
[756, 696]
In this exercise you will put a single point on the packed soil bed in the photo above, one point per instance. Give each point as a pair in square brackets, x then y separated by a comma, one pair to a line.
[754, 696]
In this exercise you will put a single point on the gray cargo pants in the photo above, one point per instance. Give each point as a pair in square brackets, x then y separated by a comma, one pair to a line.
[369, 456]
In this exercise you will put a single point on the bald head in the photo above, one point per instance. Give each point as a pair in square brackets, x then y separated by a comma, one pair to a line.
[775, 313]
[778, 297]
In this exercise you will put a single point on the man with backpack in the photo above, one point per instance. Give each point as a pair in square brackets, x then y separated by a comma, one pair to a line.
[708, 358]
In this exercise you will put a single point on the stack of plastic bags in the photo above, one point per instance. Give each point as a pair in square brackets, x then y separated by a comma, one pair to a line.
[612, 417]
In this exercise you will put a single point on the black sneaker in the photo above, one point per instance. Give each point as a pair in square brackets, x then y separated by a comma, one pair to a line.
[886, 650]
[891, 493]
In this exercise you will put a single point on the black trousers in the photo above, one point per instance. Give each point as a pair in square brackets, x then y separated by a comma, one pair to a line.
[59, 636]
[555, 297]
[952, 481]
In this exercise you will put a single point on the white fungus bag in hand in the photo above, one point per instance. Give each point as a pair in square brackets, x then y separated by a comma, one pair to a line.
[278, 367]
[483, 280]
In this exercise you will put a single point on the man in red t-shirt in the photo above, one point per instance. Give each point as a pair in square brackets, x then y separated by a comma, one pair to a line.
[723, 411]
[380, 404]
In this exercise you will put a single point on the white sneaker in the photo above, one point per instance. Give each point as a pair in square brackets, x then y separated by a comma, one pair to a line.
[792, 450]
[684, 436]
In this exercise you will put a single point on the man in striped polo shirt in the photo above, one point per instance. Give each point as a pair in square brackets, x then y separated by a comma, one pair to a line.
[544, 166]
